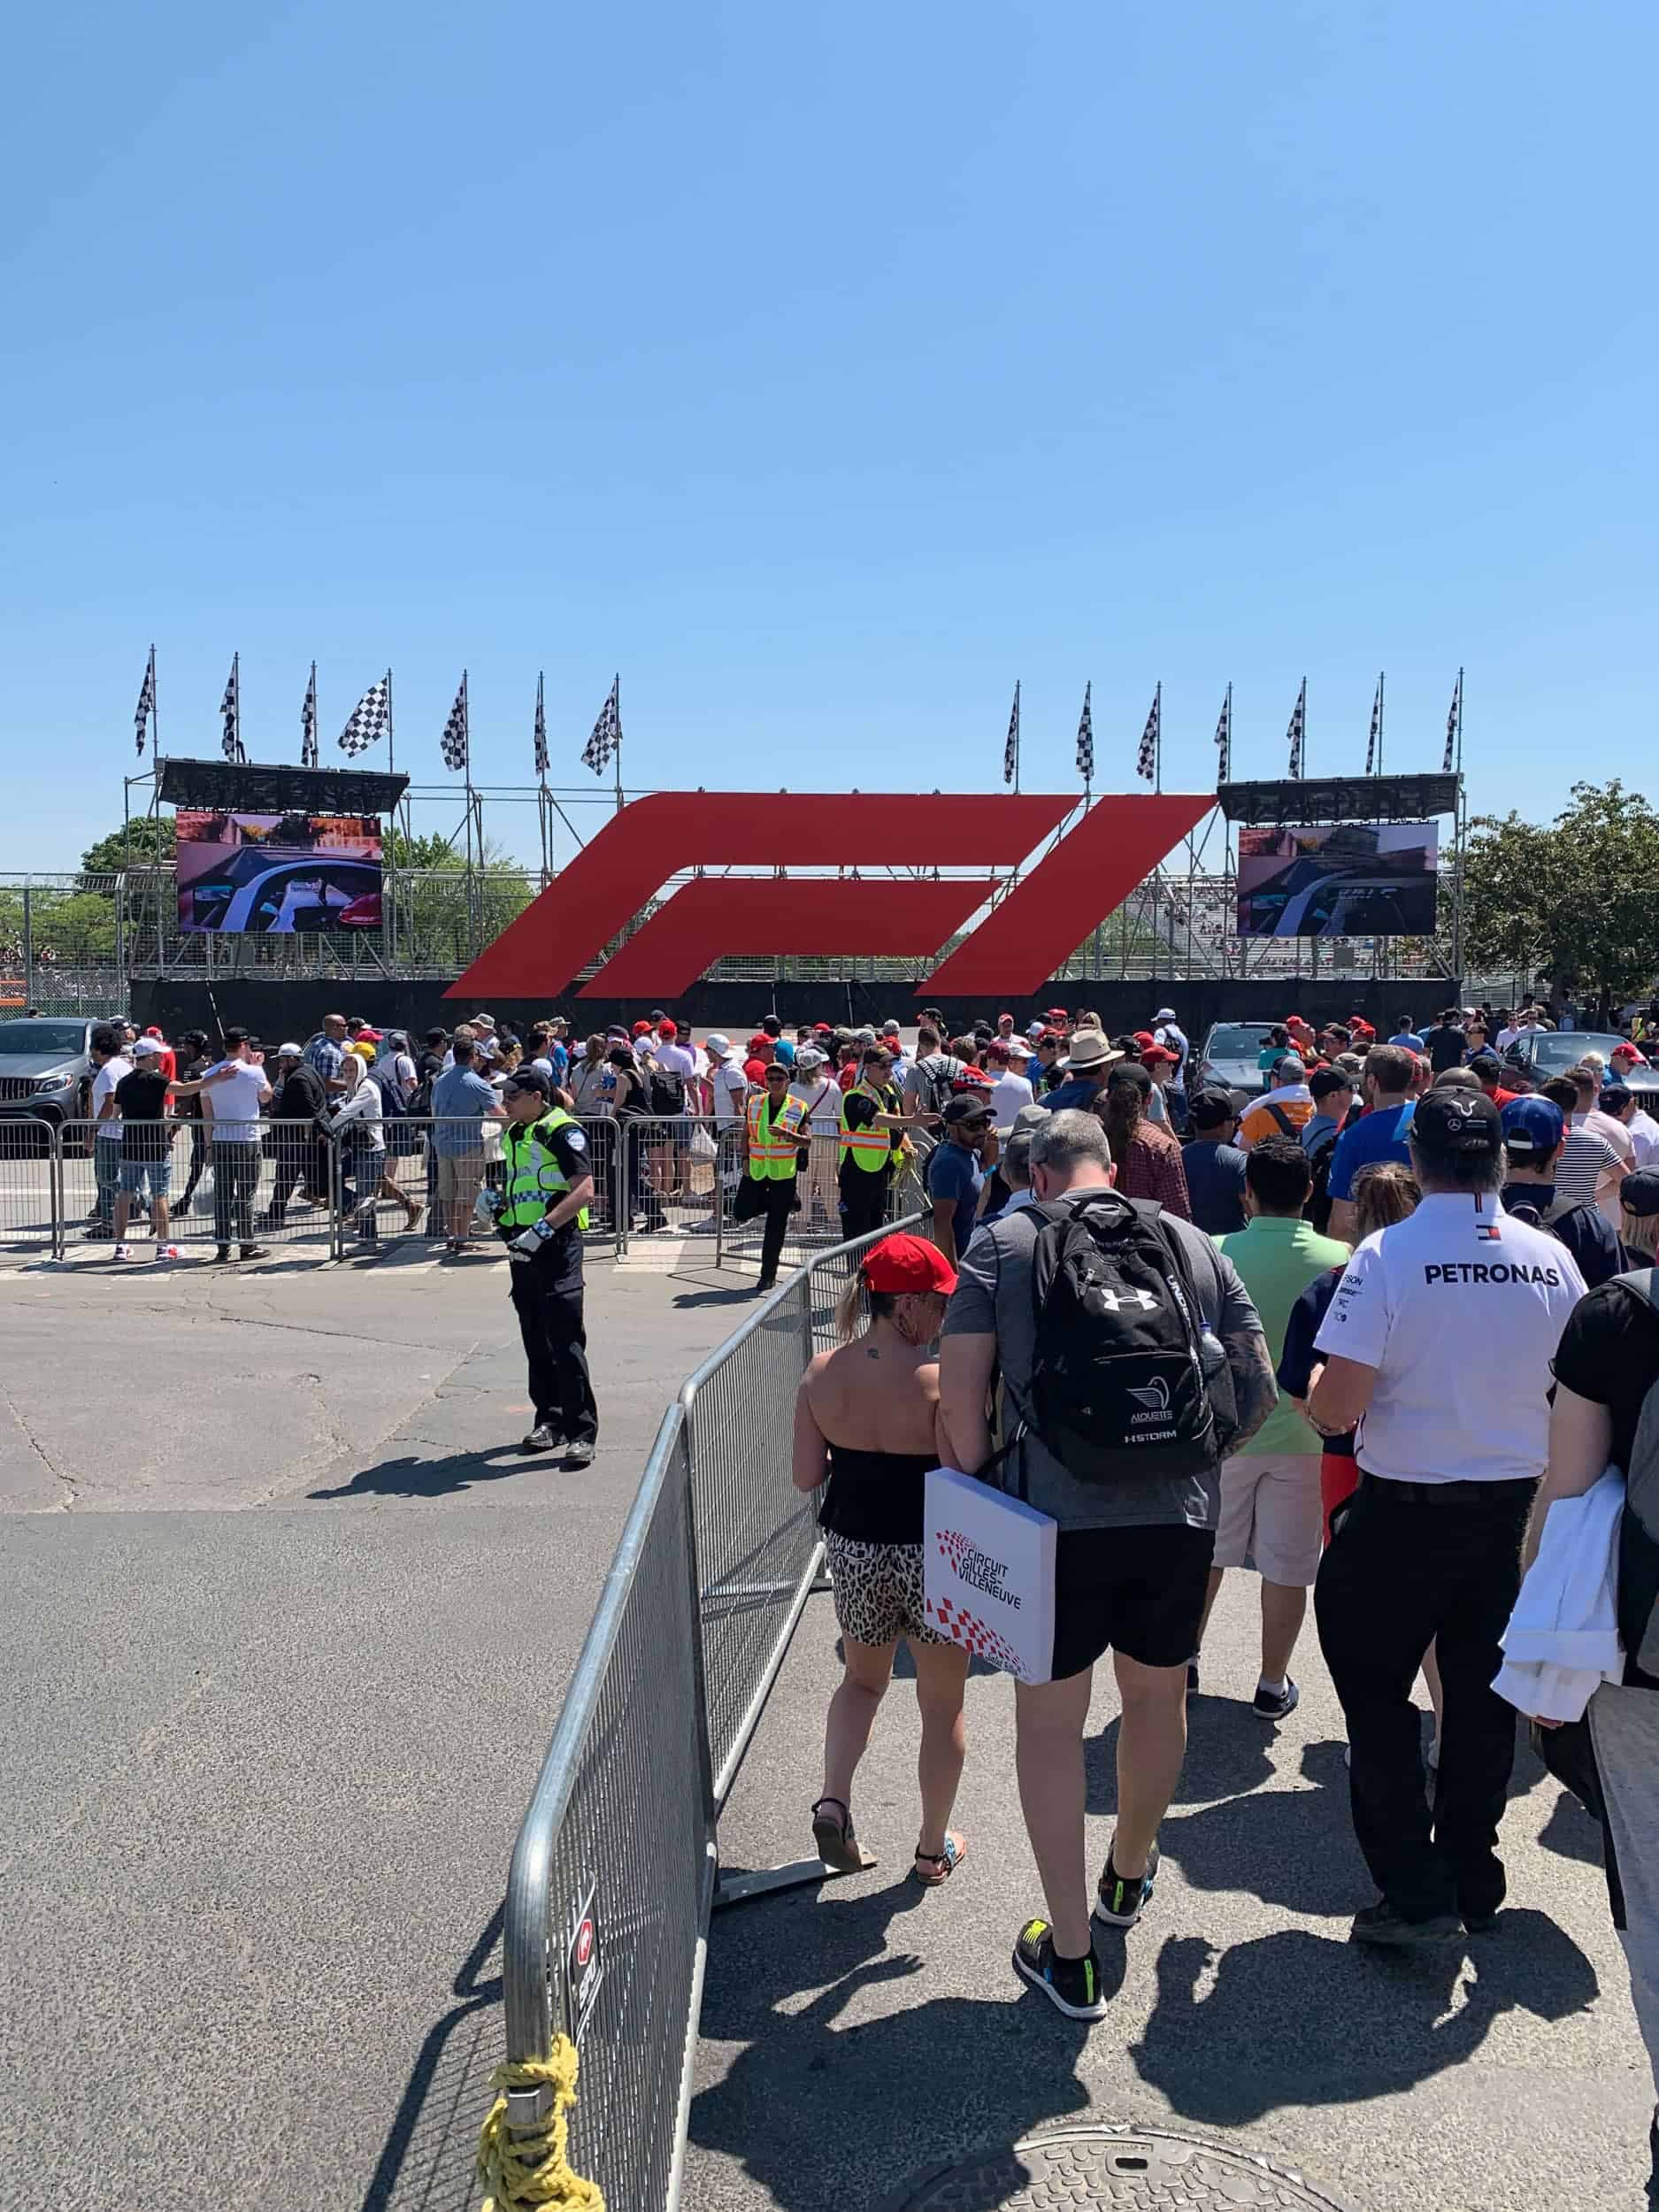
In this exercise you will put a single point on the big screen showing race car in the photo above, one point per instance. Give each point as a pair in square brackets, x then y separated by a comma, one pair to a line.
[277, 874]
[1339, 879]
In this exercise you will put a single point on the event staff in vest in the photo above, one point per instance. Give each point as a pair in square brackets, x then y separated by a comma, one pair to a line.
[1438, 1344]
[872, 1133]
[543, 1213]
[773, 1154]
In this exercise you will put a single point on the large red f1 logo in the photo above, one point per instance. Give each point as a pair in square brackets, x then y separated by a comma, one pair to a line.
[1030, 931]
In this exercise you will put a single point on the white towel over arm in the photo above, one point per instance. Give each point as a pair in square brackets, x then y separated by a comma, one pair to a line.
[1561, 1641]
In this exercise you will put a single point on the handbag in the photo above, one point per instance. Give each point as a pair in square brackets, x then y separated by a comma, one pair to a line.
[988, 1572]
[701, 1143]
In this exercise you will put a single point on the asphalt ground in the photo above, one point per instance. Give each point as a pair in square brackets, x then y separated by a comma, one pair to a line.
[859, 2035]
[285, 1622]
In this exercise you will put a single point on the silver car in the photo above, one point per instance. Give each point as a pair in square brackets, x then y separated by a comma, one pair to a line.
[45, 1069]
[1547, 1052]
[1227, 1058]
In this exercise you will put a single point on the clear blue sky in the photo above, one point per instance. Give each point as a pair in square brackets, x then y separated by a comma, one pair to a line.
[823, 370]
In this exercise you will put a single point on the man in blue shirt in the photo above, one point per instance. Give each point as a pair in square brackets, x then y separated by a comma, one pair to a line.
[326, 1050]
[1405, 1035]
[1214, 1166]
[1332, 1091]
[1088, 1067]
[956, 1173]
[1390, 1072]
[462, 1101]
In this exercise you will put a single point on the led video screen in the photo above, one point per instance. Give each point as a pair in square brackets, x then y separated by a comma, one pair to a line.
[277, 875]
[1339, 879]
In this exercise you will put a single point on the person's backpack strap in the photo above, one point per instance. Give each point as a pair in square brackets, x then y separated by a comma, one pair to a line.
[1286, 1126]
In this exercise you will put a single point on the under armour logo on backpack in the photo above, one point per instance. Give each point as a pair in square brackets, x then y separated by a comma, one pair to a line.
[1113, 1304]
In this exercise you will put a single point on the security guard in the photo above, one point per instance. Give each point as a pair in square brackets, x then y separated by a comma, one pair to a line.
[1438, 1344]
[874, 1125]
[542, 1212]
[773, 1154]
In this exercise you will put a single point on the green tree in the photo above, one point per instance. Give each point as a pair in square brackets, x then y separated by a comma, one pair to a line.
[1579, 898]
[148, 840]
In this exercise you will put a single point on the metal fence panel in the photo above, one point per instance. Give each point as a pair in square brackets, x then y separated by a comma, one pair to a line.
[277, 1192]
[817, 1227]
[29, 1170]
[618, 1834]
[668, 1168]
[414, 1196]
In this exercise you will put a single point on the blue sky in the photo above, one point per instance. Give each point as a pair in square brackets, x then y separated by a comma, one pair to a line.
[823, 370]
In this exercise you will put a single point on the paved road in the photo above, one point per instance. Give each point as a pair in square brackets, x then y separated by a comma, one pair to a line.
[855, 2037]
[284, 1630]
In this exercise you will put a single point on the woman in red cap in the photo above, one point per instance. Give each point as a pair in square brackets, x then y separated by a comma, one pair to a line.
[866, 1420]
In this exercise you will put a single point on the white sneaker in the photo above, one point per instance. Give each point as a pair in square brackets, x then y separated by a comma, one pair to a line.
[122, 1252]
[168, 1252]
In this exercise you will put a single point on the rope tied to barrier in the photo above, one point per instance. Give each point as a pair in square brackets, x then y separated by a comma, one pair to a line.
[531, 2165]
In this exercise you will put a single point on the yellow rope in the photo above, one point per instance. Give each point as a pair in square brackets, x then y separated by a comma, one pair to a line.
[532, 2166]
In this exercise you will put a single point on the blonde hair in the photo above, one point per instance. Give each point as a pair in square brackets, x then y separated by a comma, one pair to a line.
[1383, 1193]
[1593, 1060]
[1640, 1232]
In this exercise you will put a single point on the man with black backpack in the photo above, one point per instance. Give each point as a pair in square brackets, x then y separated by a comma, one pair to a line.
[1125, 1358]
[1534, 1131]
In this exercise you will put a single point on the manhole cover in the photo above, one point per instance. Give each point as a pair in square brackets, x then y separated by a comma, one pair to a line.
[1128, 2168]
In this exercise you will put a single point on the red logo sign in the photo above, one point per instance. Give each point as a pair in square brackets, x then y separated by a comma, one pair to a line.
[584, 1944]
[1031, 928]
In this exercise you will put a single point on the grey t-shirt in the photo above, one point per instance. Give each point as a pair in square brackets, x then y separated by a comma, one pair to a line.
[992, 1297]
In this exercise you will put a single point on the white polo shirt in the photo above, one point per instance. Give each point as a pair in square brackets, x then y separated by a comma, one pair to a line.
[1460, 1309]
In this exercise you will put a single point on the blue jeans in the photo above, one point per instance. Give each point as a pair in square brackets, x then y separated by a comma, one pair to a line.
[106, 1165]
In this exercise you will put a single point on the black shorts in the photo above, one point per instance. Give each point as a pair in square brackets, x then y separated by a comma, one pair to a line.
[1139, 1591]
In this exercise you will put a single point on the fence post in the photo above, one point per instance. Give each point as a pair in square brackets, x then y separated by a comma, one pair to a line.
[336, 1202]
[55, 1184]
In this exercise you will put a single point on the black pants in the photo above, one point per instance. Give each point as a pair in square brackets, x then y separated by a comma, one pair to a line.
[779, 1211]
[864, 1200]
[547, 1295]
[1412, 1563]
[294, 1162]
[199, 1161]
[236, 1179]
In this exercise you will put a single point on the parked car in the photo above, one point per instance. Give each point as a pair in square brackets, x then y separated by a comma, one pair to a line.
[1227, 1058]
[45, 1069]
[1549, 1052]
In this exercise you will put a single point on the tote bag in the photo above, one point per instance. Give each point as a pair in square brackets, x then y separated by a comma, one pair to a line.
[989, 1574]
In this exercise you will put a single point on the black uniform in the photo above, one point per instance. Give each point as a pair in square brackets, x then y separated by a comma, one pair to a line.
[547, 1296]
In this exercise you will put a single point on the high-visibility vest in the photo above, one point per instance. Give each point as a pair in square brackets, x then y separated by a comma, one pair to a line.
[534, 1178]
[868, 1147]
[772, 1152]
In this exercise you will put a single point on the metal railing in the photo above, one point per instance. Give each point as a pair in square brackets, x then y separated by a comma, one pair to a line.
[616, 1871]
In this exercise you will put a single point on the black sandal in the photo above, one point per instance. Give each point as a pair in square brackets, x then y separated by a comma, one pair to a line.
[933, 1868]
[837, 1846]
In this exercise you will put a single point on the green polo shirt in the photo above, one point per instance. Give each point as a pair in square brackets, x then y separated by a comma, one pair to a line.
[1276, 1260]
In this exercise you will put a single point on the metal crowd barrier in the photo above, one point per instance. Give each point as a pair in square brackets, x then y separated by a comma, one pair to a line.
[616, 1871]
[817, 1226]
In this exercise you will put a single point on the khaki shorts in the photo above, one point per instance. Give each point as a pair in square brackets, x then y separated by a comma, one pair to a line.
[1270, 1516]
[459, 1175]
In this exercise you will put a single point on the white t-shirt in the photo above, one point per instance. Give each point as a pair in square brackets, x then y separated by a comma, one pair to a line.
[1460, 1310]
[731, 1088]
[1008, 1093]
[677, 1060]
[103, 1083]
[821, 1095]
[1643, 1132]
[236, 1103]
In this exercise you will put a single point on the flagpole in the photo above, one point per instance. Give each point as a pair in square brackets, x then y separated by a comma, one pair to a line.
[1379, 721]
[617, 690]
[1157, 750]
[1017, 733]
[155, 712]
[391, 753]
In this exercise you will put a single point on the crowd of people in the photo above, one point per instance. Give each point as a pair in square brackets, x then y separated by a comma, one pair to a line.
[1415, 1280]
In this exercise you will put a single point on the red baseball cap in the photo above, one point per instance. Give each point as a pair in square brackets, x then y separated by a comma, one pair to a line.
[754, 1072]
[901, 1264]
[641, 1029]
[1159, 1055]
[668, 1029]
[1143, 1038]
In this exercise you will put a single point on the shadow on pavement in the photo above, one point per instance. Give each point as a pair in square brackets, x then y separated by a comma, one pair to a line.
[440, 1477]
[427, 2159]
[1295, 2018]
[809, 2102]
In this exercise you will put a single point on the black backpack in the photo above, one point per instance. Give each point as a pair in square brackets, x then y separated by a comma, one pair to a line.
[394, 1097]
[1317, 1209]
[667, 1092]
[1117, 1384]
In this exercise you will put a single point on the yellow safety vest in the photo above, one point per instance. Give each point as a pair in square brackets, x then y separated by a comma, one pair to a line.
[534, 1178]
[868, 1147]
[772, 1152]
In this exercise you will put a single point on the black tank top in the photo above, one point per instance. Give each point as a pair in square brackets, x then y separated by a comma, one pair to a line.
[875, 1497]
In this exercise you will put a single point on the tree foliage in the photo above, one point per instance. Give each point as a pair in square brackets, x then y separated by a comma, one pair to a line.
[1578, 898]
[148, 840]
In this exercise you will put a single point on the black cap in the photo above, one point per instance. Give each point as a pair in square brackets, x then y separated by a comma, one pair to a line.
[1457, 1123]
[528, 1080]
[1616, 1095]
[1638, 1194]
[966, 1108]
[1324, 1082]
[1486, 1065]
[1210, 1108]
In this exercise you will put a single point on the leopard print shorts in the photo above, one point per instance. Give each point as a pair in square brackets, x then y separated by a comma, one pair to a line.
[879, 1591]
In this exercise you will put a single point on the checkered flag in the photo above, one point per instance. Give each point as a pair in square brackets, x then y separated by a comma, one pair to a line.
[1085, 738]
[1151, 739]
[1454, 725]
[541, 734]
[607, 735]
[1376, 730]
[146, 700]
[230, 713]
[1010, 744]
[368, 720]
[1223, 741]
[308, 724]
[453, 744]
[1298, 729]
